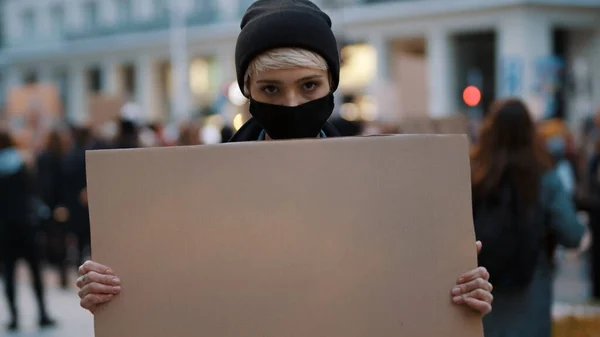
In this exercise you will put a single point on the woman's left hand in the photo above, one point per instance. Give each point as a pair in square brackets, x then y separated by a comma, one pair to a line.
[474, 290]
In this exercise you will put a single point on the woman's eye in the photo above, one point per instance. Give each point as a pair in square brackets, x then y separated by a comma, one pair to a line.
[309, 86]
[270, 90]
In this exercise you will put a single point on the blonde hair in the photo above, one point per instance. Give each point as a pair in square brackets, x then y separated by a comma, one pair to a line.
[283, 58]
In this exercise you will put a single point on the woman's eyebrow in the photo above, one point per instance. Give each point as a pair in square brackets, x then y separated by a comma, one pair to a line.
[268, 81]
[303, 79]
[308, 78]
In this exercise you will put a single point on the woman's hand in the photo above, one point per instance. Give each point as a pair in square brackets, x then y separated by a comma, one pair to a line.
[473, 289]
[97, 285]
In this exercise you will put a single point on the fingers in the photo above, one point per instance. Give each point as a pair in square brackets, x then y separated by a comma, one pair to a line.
[478, 299]
[89, 266]
[480, 272]
[475, 291]
[94, 277]
[98, 284]
[479, 245]
[468, 287]
[91, 301]
[98, 289]
[480, 294]
[482, 306]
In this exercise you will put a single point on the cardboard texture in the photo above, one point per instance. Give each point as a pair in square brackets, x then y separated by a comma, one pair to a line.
[348, 237]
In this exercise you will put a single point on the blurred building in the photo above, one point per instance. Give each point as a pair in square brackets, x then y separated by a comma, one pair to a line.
[401, 58]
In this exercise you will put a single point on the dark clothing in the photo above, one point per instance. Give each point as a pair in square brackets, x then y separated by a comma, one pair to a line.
[20, 242]
[18, 226]
[127, 142]
[74, 184]
[50, 180]
[251, 131]
[527, 313]
[16, 189]
[594, 224]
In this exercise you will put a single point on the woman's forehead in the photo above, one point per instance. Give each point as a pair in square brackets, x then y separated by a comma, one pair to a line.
[289, 74]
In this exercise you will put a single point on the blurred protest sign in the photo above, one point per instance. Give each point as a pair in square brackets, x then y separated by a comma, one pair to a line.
[104, 108]
[42, 98]
[454, 124]
[418, 125]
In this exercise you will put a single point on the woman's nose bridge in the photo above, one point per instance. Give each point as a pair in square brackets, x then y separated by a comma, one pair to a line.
[292, 98]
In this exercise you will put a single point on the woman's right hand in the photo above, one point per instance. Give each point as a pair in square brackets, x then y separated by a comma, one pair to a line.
[97, 285]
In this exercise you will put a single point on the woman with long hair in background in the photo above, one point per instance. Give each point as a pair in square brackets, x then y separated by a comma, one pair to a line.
[521, 211]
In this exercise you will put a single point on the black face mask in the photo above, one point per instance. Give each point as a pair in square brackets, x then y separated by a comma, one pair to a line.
[285, 122]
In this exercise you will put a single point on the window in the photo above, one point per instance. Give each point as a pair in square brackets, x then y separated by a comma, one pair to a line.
[94, 77]
[61, 78]
[125, 10]
[57, 15]
[129, 78]
[30, 77]
[91, 14]
[29, 24]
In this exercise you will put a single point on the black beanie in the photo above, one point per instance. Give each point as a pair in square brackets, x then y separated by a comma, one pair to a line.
[271, 24]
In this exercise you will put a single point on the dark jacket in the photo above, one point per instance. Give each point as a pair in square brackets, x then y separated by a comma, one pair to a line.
[49, 178]
[74, 182]
[17, 192]
[528, 313]
[251, 130]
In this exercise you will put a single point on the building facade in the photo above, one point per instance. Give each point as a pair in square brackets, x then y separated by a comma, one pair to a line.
[403, 58]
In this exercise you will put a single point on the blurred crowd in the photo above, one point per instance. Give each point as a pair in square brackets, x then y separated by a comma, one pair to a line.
[44, 215]
[43, 201]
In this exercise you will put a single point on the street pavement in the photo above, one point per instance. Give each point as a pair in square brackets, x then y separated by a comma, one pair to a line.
[63, 306]
[571, 295]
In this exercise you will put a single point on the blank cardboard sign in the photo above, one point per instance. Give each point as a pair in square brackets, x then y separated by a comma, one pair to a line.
[349, 237]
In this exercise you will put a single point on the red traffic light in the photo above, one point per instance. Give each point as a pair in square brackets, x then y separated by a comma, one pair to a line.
[471, 96]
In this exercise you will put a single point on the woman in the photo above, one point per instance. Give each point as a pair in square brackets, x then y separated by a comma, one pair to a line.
[17, 228]
[288, 66]
[510, 157]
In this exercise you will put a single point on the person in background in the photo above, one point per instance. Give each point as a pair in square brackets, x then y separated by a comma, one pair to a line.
[189, 134]
[128, 136]
[521, 209]
[18, 222]
[288, 64]
[74, 190]
[557, 148]
[49, 168]
[159, 131]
